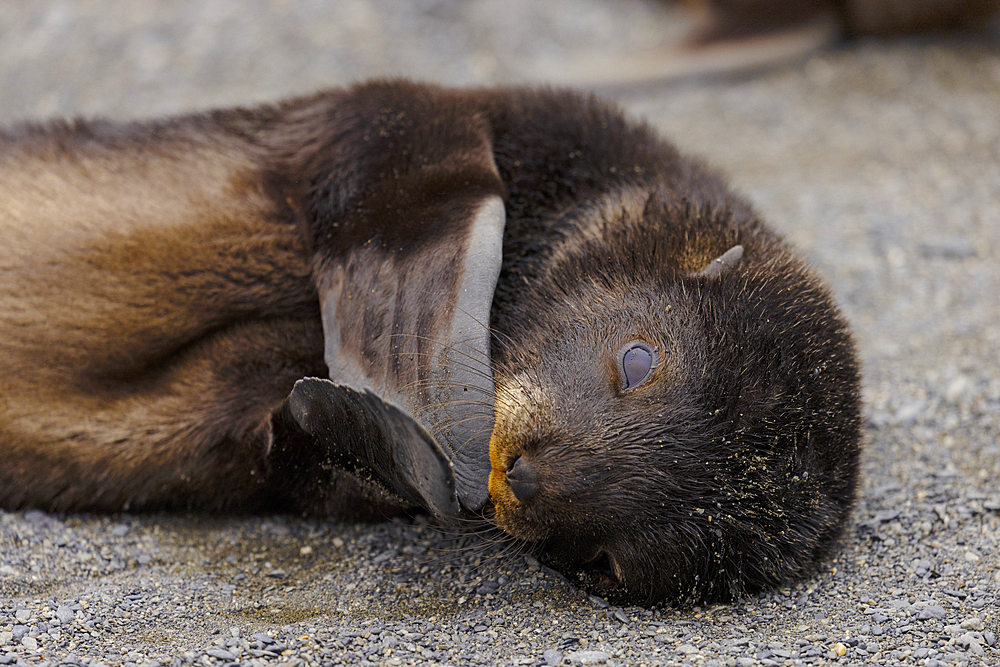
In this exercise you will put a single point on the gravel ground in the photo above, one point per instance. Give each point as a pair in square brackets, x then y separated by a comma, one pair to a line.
[881, 160]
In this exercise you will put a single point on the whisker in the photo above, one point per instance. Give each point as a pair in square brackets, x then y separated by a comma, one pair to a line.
[501, 337]
[452, 345]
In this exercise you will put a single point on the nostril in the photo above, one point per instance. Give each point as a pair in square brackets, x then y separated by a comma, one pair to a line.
[523, 479]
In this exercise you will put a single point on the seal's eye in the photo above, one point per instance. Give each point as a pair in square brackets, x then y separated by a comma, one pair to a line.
[636, 362]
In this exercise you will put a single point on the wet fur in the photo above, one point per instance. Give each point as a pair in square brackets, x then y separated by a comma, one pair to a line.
[159, 300]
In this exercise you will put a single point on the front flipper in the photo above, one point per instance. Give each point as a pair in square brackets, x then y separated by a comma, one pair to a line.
[398, 190]
[361, 433]
[412, 329]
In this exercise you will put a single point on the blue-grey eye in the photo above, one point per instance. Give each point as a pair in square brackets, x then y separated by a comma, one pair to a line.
[636, 362]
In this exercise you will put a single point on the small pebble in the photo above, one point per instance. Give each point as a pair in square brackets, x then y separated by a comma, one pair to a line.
[971, 644]
[64, 614]
[589, 657]
[552, 657]
[930, 611]
[221, 654]
[600, 603]
[973, 623]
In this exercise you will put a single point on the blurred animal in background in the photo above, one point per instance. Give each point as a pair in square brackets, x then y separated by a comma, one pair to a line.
[729, 36]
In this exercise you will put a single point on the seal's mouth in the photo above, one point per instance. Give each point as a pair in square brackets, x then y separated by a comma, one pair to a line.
[581, 558]
[604, 565]
[598, 571]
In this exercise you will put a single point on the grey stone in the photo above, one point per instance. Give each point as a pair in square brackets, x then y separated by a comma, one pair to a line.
[552, 657]
[221, 654]
[931, 612]
[973, 623]
[64, 614]
[588, 657]
[970, 643]
[600, 603]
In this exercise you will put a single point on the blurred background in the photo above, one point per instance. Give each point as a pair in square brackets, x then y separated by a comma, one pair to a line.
[124, 58]
[879, 156]
[143, 57]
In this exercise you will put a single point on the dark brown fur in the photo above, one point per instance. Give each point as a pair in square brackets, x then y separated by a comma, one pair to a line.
[159, 301]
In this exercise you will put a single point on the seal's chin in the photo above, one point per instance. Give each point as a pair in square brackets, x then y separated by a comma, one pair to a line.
[594, 568]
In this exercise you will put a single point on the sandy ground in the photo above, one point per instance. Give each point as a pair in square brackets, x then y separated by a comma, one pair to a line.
[880, 160]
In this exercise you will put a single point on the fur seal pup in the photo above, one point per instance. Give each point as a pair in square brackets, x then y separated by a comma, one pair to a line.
[528, 307]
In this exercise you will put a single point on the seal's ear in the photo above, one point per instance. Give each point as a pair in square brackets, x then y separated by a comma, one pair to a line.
[402, 202]
[724, 263]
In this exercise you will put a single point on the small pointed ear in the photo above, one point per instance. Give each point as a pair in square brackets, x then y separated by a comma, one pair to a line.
[724, 263]
[405, 218]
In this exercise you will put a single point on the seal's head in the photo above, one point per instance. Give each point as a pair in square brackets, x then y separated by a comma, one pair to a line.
[679, 422]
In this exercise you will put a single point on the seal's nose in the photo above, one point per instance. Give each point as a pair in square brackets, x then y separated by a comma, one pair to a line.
[523, 479]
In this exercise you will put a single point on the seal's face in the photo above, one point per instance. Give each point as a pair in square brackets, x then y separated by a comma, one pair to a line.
[681, 436]
[593, 445]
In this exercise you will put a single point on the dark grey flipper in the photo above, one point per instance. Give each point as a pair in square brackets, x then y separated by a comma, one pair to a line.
[361, 433]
